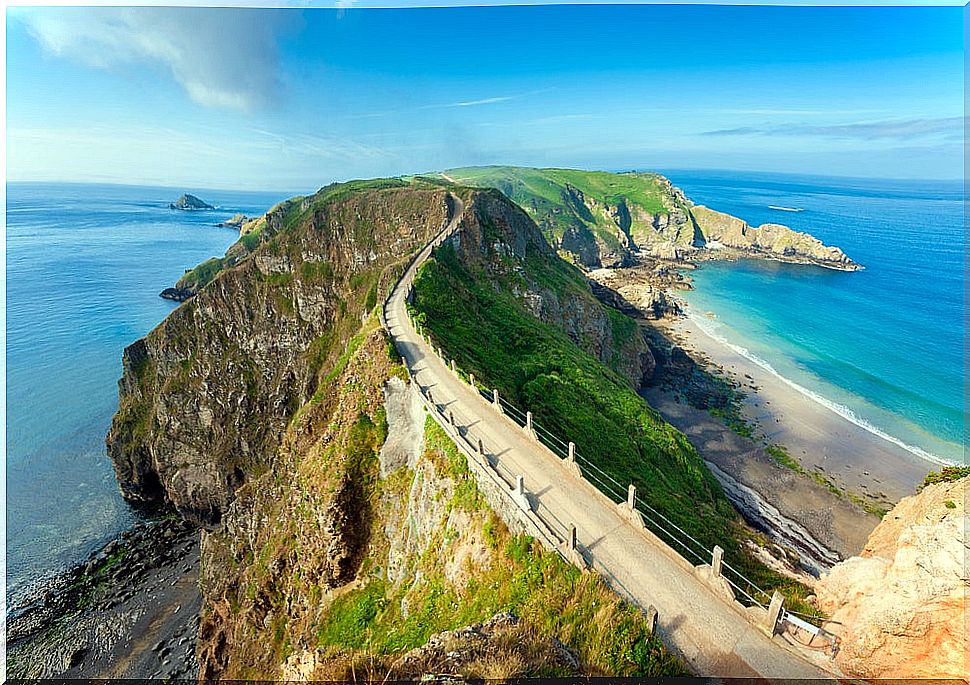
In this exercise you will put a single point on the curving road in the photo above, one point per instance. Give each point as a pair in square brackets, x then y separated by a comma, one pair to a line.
[716, 637]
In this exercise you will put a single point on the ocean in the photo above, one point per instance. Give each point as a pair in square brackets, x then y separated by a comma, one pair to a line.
[85, 264]
[883, 347]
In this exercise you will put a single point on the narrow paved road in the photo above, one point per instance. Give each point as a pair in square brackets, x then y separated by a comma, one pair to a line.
[716, 637]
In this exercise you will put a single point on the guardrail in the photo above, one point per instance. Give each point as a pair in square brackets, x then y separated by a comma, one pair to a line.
[560, 535]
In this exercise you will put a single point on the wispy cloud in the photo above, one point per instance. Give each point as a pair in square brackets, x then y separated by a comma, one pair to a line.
[899, 129]
[221, 58]
[483, 101]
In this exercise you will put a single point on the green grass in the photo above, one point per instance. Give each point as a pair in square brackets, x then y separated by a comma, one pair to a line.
[947, 474]
[536, 366]
[544, 194]
[536, 585]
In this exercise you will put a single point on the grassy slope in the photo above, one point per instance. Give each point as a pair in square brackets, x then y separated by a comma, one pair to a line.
[540, 192]
[572, 394]
[519, 576]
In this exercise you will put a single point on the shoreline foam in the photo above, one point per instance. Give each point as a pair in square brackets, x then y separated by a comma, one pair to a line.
[849, 456]
[839, 409]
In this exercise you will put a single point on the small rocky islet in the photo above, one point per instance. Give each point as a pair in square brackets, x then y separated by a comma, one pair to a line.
[189, 203]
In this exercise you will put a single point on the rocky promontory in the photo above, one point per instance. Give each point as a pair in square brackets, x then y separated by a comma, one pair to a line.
[900, 607]
[599, 219]
[190, 203]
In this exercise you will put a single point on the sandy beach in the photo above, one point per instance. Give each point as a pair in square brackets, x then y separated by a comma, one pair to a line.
[851, 457]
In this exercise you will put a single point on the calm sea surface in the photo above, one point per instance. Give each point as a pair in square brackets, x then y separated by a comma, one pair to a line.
[883, 346]
[85, 264]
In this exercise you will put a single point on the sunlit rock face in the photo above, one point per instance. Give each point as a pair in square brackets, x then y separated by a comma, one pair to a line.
[902, 604]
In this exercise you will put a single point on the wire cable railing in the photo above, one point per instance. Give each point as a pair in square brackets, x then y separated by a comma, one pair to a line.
[682, 542]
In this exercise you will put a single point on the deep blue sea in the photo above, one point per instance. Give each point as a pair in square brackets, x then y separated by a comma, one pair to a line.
[85, 264]
[884, 346]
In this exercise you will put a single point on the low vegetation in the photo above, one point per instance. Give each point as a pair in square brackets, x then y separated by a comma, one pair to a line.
[536, 366]
[370, 625]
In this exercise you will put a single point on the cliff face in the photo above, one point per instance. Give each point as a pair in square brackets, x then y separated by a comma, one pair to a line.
[205, 396]
[344, 530]
[500, 240]
[599, 219]
[771, 240]
[902, 604]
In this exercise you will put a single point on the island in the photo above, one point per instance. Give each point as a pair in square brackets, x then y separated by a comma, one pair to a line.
[190, 203]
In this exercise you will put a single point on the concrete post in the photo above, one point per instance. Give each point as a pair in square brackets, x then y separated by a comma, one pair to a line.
[528, 421]
[652, 617]
[572, 452]
[454, 369]
[496, 401]
[471, 380]
[519, 486]
[631, 497]
[572, 537]
[716, 561]
[774, 612]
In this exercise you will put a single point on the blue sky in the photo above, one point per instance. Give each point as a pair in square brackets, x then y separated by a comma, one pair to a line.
[291, 99]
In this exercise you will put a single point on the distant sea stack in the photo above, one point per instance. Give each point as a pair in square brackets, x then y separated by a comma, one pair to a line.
[190, 203]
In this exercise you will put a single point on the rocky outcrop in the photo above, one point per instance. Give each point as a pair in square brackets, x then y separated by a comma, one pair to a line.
[190, 203]
[602, 220]
[206, 396]
[235, 221]
[900, 607]
[500, 238]
[721, 230]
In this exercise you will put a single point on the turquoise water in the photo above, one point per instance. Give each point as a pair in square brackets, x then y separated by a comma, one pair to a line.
[883, 346]
[85, 264]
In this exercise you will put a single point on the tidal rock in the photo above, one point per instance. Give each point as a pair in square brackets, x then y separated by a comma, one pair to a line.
[177, 294]
[235, 221]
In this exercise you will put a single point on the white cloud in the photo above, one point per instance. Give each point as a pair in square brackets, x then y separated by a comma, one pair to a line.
[484, 101]
[221, 57]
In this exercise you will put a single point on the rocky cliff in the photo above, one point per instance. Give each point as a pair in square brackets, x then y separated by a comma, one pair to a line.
[205, 397]
[901, 606]
[498, 239]
[599, 219]
[344, 534]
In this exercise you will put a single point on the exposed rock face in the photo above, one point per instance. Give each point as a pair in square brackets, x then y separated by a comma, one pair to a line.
[206, 396]
[235, 221]
[602, 220]
[500, 238]
[773, 240]
[902, 604]
[189, 203]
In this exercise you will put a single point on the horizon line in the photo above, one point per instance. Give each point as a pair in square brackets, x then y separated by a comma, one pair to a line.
[615, 170]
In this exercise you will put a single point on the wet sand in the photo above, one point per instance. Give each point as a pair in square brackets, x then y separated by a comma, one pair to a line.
[849, 456]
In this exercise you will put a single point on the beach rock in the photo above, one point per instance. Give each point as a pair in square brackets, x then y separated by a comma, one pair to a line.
[190, 203]
[177, 294]
[235, 221]
[900, 606]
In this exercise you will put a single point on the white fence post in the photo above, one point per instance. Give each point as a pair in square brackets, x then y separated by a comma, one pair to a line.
[496, 401]
[631, 497]
[716, 559]
[774, 612]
